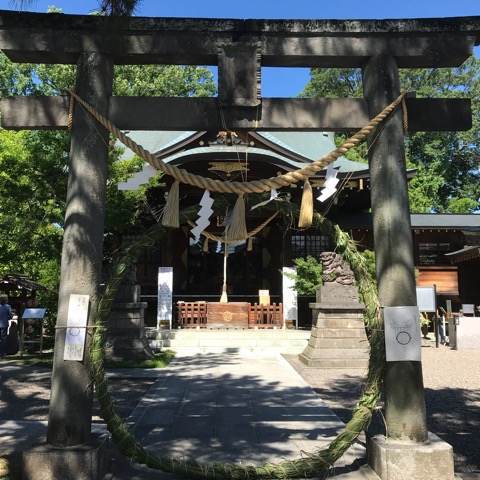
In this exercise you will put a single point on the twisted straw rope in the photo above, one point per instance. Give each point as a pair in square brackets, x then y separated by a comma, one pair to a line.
[252, 233]
[310, 464]
[254, 186]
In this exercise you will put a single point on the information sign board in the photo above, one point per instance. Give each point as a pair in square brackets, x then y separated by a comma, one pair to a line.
[75, 333]
[427, 299]
[36, 313]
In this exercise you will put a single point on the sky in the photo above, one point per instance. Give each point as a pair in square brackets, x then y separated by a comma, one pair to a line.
[277, 82]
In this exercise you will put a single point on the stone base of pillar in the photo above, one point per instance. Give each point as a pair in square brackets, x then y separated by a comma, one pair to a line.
[82, 462]
[395, 460]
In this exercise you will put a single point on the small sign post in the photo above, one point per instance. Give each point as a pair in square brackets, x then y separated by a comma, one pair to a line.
[76, 331]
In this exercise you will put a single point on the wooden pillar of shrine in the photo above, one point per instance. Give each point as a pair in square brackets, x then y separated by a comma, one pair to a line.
[404, 392]
[407, 447]
[70, 414]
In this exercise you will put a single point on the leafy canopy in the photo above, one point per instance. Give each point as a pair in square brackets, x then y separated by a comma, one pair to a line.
[447, 163]
[34, 165]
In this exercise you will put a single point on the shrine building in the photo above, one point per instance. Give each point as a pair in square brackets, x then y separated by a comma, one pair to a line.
[256, 264]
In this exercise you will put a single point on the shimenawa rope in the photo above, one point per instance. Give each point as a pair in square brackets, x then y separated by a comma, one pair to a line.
[254, 186]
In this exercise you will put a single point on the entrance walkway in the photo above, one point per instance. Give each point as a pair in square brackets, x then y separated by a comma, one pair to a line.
[235, 408]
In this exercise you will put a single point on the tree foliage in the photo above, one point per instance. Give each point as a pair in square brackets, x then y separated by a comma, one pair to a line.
[34, 164]
[308, 276]
[447, 163]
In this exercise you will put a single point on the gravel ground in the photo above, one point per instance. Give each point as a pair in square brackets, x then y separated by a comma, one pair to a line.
[452, 392]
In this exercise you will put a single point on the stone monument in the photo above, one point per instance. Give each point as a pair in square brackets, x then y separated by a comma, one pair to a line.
[126, 338]
[338, 338]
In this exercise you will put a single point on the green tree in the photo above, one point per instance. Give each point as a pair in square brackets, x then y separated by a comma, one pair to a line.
[34, 165]
[447, 174]
[308, 276]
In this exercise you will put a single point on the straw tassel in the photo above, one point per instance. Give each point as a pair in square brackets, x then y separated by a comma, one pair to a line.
[171, 216]
[306, 208]
[237, 230]
[205, 245]
[250, 244]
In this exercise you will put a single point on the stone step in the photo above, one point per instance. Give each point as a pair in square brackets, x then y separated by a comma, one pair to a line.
[337, 353]
[281, 341]
[339, 322]
[335, 362]
[336, 342]
[321, 332]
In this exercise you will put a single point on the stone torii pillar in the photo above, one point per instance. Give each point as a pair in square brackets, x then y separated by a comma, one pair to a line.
[408, 448]
[70, 415]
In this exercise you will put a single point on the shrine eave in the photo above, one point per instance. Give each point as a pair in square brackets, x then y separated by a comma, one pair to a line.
[60, 38]
[466, 254]
[419, 221]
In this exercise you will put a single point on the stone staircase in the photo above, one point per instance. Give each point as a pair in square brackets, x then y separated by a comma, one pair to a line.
[259, 341]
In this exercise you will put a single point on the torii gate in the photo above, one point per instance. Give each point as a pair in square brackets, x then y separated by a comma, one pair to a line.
[239, 48]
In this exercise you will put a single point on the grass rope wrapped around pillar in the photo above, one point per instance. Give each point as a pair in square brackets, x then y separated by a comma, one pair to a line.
[309, 465]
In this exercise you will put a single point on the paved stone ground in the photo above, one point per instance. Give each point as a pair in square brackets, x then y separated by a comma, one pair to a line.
[452, 391]
[452, 382]
[224, 407]
[235, 408]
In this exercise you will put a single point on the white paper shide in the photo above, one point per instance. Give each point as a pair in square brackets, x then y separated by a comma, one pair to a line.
[203, 220]
[330, 185]
[403, 338]
[76, 331]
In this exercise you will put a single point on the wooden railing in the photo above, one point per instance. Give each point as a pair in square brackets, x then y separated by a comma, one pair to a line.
[192, 314]
[265, 316]
[195, 315]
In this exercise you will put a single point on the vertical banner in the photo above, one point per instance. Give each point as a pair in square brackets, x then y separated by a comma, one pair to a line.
[165, 292]
[290, 309]
[76, 331]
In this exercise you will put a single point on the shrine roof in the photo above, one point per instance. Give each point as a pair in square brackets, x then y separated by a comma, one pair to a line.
[288, 149]
[449, 221]
[469, 252]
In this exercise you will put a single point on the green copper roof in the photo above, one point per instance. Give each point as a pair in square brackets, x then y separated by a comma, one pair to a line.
[295, 148]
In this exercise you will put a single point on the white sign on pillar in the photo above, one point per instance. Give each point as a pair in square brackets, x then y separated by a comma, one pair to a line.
[165, 292]
[75, 333]
[290, 308]
[403, 340]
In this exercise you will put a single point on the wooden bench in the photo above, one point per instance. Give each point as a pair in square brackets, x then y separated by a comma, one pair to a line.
[265, 316]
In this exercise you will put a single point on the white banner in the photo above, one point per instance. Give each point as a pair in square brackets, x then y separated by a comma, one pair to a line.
[165, 292]
[403, 340]
[290, 309]
[76, 331]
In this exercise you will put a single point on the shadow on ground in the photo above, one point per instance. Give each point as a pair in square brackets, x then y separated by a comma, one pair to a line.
[452, 413]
